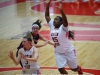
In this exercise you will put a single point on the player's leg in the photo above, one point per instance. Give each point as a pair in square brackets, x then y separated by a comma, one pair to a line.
[78, 69]
[62, 71]
[72, 63]
[27, 71]
[61, 62]
[34, 71]
[38, 71]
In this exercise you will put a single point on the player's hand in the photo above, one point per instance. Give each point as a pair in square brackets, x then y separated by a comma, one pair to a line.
[23, 56]
[11, 55]
[48, 1]
[54, 45]
[60, 5]
[46, 43]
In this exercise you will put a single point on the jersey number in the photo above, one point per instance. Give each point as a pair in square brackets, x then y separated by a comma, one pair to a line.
[26, 65]
[56, 41]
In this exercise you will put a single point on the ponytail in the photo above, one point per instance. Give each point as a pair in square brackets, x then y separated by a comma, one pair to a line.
[38, 22]
[71, 35]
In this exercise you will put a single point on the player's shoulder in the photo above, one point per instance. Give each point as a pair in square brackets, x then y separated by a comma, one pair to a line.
[35, 49]
[21, 49]
[51, 21]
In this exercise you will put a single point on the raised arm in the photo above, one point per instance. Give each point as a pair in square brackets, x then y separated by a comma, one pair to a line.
[15, 60]
[47, 13]
[65, 22]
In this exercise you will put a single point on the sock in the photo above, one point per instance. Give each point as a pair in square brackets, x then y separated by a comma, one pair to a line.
[80, 71]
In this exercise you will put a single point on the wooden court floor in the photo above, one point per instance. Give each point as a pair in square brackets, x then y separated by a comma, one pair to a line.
[17, 18]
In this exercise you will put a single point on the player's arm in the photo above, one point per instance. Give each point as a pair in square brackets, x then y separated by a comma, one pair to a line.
[51, 42]
[35, 56]
[15, 60]
[46, 41]
[37, 45]
[47, 13]
[65, 22]
[33, 44]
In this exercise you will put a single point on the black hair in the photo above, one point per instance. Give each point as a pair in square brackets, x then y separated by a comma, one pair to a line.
[38, 22]
[28, 38]
[60, 18]
[71, 33]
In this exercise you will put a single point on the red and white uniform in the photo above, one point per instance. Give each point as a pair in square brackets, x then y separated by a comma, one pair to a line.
[29, 67]
[64, 50]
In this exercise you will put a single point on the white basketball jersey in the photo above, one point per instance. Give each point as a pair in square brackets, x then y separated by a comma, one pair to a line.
[60, 38]
[28, 64]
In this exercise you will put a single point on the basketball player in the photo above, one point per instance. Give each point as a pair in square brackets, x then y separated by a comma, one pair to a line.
[28, 56]
[35, 36]
[36, 26]
[64, 50]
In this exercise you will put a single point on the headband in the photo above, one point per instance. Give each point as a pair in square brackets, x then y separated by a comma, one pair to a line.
[35, 25]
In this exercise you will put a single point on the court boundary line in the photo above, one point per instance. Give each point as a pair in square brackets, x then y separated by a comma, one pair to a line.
[85, 70]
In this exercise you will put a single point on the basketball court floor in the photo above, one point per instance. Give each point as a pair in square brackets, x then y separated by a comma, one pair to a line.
[17, 16]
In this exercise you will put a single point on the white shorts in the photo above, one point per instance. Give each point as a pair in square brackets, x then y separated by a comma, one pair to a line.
[64, 59]
[31, 71]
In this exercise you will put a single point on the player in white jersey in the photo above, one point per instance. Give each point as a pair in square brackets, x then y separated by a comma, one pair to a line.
[35, 36]
[28, 56]
[64, 50]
